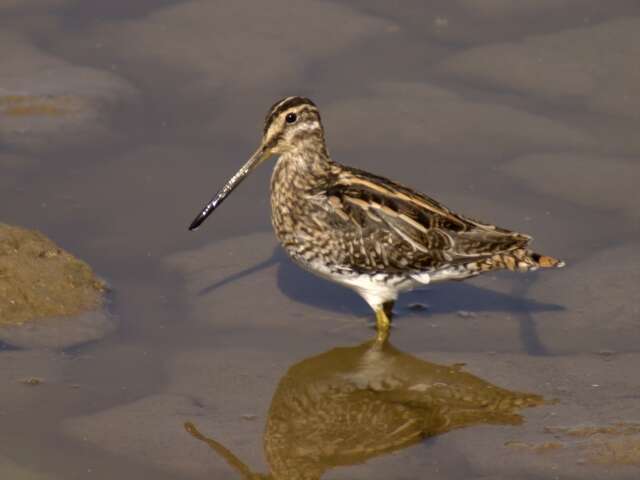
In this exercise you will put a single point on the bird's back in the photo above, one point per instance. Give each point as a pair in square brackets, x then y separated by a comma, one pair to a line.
[394, 228]
[349, 220]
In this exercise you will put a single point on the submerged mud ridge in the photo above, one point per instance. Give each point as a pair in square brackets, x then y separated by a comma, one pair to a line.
[617, 443]
[22, 105]
[38, 279]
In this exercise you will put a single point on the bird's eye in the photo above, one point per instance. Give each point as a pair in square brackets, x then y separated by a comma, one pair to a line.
[291, 117]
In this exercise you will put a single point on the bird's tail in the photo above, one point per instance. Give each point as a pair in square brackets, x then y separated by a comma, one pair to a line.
[545, 261]
[519, 260]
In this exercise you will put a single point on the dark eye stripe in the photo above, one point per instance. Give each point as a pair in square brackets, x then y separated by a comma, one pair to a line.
[279, 108]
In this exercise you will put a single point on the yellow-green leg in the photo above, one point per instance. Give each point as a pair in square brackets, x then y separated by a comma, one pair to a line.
[383, 321]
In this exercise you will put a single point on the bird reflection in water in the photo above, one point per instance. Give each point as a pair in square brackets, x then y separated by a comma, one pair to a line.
[351, 404]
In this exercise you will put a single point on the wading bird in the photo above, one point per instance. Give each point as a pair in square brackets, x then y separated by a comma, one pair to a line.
[363, 231]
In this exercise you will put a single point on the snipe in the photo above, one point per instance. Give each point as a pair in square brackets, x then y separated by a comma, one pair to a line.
[363, 231]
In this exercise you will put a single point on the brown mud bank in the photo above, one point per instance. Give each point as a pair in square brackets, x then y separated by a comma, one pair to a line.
[40, 283]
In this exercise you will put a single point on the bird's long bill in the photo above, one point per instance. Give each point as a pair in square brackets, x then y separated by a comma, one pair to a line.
[256, 159]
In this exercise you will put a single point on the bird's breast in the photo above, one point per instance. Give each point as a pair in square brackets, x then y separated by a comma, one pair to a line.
[299, 219]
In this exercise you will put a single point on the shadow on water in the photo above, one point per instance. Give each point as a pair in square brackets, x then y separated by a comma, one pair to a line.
[351, 404]
[445, 298]
[451, 297]
[7, 347]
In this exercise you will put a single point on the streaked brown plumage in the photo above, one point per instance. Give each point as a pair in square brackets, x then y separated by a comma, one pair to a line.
[364, 231]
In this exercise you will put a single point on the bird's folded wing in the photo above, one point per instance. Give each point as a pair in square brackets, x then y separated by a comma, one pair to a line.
[416, 220]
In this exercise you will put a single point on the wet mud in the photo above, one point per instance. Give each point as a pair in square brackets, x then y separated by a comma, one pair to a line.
[119, 119]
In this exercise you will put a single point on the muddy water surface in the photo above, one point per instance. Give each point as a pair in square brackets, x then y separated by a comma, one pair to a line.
[119, 119]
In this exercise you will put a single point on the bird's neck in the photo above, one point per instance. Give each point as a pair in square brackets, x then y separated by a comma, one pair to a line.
[303, 168]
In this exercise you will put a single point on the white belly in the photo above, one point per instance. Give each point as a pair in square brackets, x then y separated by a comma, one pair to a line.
[375, 289]
[382, 288]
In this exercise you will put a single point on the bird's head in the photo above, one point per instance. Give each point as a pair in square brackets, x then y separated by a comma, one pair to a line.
[292, 125]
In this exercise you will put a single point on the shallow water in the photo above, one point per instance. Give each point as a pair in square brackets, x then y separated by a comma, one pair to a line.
[521, 115]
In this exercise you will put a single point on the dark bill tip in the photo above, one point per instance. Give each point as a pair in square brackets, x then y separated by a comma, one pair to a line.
[197, 222]
[206, 211]
[233, 182]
